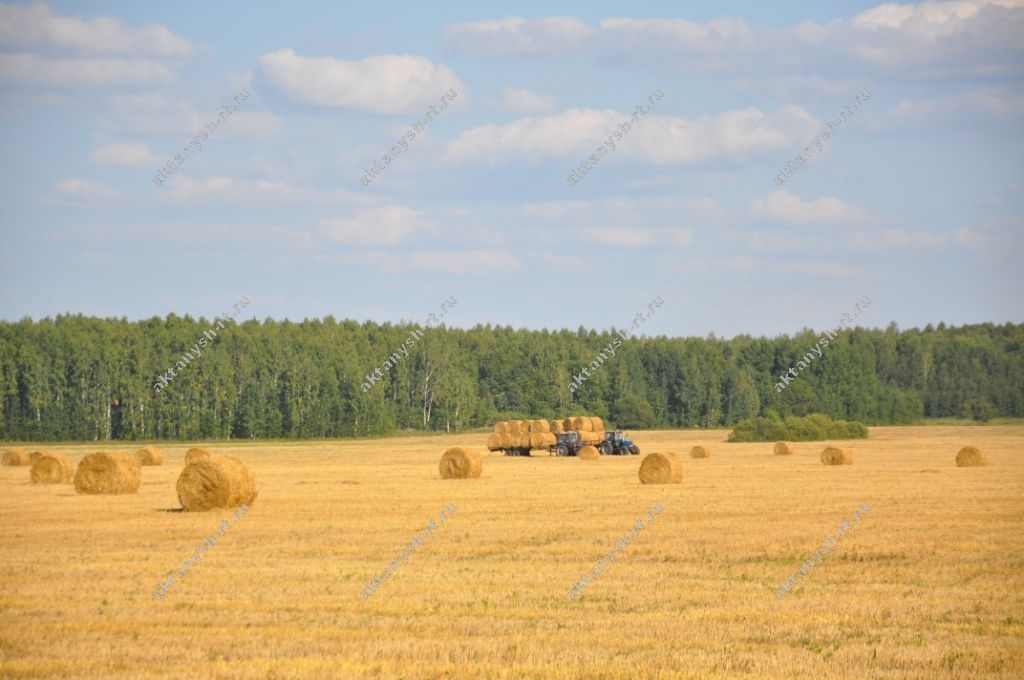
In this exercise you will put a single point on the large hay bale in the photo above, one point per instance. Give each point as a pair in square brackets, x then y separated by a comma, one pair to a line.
[108, 472]
[589, 437]
[581, 424]
[783, 449]
[457, 463]
[550, 439]
[505, 440]
[16, 457]
[596, 424]
[567, 425]
[970, 456]
[501, 427]
[588, 453]
[556, 427]
[700, 452]
[539, 426]
[538, 440]
[216, 482]
[52, 468]
[194, 455]
[660, 468]
[493, 442]
[36, 455]
[149, 455]
[837, 455]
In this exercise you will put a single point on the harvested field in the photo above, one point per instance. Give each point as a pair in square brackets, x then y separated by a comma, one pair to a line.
[929, 584]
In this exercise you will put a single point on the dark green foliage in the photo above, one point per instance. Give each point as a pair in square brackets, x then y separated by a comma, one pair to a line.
[980, 410]
[813, 428]
[81, 378]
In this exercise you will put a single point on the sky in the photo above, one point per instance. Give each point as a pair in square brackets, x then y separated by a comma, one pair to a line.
[914, 201]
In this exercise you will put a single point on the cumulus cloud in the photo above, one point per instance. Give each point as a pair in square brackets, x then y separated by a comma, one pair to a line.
[390, 83]
[782, 206]
[515, 36]
[135, 155]
[78, 191]
[29, 69]
[661, 140]
[384, 225]
[925, 40]
[35, 27]
[887, 239]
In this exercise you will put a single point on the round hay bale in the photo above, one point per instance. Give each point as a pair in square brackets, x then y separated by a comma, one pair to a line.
[457, 463]
[36, 455]
[215, 482]
[700, 452]
[52, 468]
[540, 426]
[194, 455]
[783, 449]
[556, 427]
[501, 427]
[567, 425]
[970, 456]
[581, 424]
[596, 424]
[550, 439]
[588, 453]
[149, 455]
[538, 440]
[493, 442]
[660, 468]
[837, 455]
[505, 441]
[16, 457]
[523, 441]
[592, 437]
[108, 472]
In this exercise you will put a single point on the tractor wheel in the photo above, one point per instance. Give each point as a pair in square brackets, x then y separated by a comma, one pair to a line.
[562, 451]
[635, 450]
[605, 449]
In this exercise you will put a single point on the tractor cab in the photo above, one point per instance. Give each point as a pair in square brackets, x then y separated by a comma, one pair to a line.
[615, 444]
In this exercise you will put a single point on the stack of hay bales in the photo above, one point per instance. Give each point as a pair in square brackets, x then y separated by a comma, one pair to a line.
[783, 449]
[52, 468]
[216, 481]
[837, 455]
[660, 468]
[588, 453]
[700, 452]
[149, 455]
[16, 457]
[457, 463]
[108, 472]
[541, 434]
[970, 456]
[194, 455]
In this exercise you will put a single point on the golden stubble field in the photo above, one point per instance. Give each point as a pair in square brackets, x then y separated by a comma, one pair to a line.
[929, 584]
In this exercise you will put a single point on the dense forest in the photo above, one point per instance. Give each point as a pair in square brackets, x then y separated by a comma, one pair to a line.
[82, 378]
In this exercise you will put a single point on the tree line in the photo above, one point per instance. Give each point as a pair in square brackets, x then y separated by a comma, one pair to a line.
[85, 378]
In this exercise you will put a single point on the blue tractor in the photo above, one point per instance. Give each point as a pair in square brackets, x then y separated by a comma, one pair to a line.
[615, 444]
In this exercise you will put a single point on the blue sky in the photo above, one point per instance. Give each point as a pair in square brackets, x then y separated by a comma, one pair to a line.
[915, 202]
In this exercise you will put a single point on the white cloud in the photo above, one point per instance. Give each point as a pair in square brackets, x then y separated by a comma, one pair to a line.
[136, 155]
[926, 40]
[638, 238]
[525, 101]
[29, 69]
[35, 27]
[782, 206]
[221, 189]
[390, 83]
[515, 36]
[663, 140]
[78, 191]
[385, 225]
